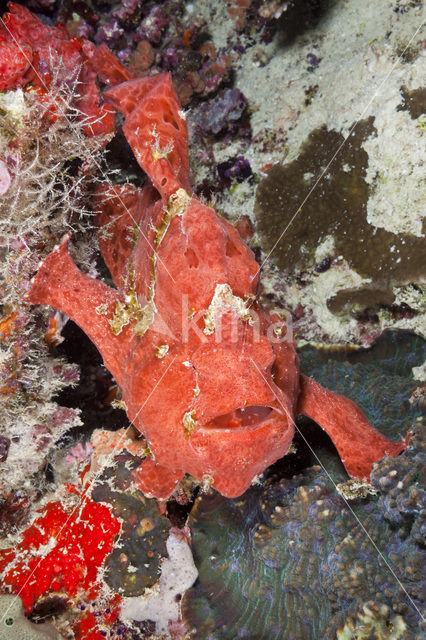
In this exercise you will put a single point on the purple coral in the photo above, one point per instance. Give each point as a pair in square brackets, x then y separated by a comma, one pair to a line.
[234, 170]
[222, 112]
[153, 25]
[109, 33]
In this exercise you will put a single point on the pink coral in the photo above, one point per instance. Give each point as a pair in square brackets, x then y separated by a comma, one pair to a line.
[208, 376]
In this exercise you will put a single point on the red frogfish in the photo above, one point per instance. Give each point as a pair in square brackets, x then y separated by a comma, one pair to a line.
[209, 377]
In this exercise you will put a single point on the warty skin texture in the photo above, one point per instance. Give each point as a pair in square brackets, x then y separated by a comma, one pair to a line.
[202, 374]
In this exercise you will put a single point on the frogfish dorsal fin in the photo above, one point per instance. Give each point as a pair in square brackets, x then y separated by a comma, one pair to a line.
[155, 128]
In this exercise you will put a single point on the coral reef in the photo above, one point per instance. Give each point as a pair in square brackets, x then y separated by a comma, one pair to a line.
[337, 214]
[292, 561]
[61, 553]
[374, 621]
[68, 563]
[220, 114]
[161, 606]
[50, 162]
[30, 375]
[18, 627]
[379, 379]
[402, 499]
[155, 37]
[86, 557]
[30, 417]
[261, 82]
[134, 565]
[29, 55]
[298, 94]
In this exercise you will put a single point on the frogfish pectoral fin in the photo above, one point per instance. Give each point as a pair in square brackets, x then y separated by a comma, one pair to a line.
[89, 302]
[157, 481]
[358, 443]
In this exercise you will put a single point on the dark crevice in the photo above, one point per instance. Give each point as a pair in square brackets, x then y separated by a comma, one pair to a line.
[93, 393]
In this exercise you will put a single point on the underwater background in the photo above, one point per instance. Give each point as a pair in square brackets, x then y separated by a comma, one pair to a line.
[306, 124]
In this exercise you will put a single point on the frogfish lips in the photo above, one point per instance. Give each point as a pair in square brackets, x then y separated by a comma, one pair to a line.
[238, 445]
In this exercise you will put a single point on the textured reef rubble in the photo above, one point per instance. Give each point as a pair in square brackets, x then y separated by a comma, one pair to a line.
[87, 555]
[266, 103]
